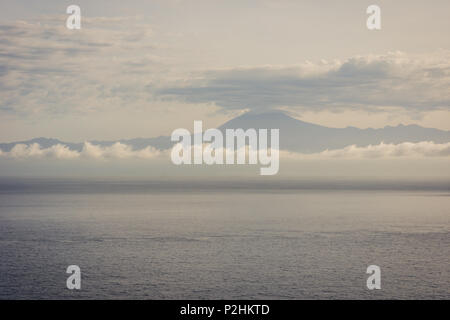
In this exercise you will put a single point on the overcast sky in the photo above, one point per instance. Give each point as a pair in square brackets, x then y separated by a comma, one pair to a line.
[145, 68]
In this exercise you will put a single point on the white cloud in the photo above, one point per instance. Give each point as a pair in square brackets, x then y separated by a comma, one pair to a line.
[380, 151]
[34, 151]
[89, 151]
[117, 151]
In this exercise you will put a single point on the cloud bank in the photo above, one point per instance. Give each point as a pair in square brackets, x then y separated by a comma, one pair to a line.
[89, 151]
[418, 83]
[380, 151]
[122, 151]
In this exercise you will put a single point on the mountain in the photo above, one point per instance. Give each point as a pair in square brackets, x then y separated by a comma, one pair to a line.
[295, 135]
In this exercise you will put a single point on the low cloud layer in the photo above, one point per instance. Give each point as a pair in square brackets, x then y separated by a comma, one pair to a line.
[89, 151]
[380, 151]
[416, 83]
[122, 151]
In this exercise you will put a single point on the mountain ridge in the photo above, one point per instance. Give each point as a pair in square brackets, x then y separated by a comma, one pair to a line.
[295, 135]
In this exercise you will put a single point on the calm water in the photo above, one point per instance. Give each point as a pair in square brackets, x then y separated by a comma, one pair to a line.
[178, 240]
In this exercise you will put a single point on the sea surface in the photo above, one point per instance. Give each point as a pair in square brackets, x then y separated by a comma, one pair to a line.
[224, 239]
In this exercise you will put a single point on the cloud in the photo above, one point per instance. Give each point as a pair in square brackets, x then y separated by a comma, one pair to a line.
[46, 69]
[120, 151]
[372, 82]
[122, 64]
[22, 151]
[89, 151]
[380, 151]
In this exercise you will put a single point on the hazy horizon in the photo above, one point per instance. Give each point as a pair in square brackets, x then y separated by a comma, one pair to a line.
[224, 149]
[145, 69]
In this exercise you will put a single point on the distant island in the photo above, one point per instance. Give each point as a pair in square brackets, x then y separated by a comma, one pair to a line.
[295, 135]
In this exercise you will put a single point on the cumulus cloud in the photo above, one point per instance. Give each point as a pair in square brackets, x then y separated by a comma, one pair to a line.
[366, 82]
[380, 151]
[407, 150]
[34, 151]
[89, 151]
[117, 151]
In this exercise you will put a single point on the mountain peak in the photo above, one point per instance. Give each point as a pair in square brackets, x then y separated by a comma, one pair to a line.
[266, 120]
[295, 135]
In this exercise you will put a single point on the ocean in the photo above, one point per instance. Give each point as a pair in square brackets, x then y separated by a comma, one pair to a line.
[224, 239]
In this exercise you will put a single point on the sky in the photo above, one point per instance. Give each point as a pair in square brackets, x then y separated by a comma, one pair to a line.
[145, 68]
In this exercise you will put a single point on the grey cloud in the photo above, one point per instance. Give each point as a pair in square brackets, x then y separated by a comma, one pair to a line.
[49, 70]
[361, 82]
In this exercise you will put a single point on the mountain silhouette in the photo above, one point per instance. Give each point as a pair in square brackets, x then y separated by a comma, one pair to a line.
[295, 135]
[300, 136]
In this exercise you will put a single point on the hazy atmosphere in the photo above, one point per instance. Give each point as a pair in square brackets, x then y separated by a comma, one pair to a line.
[143, 69]
[348, 115]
